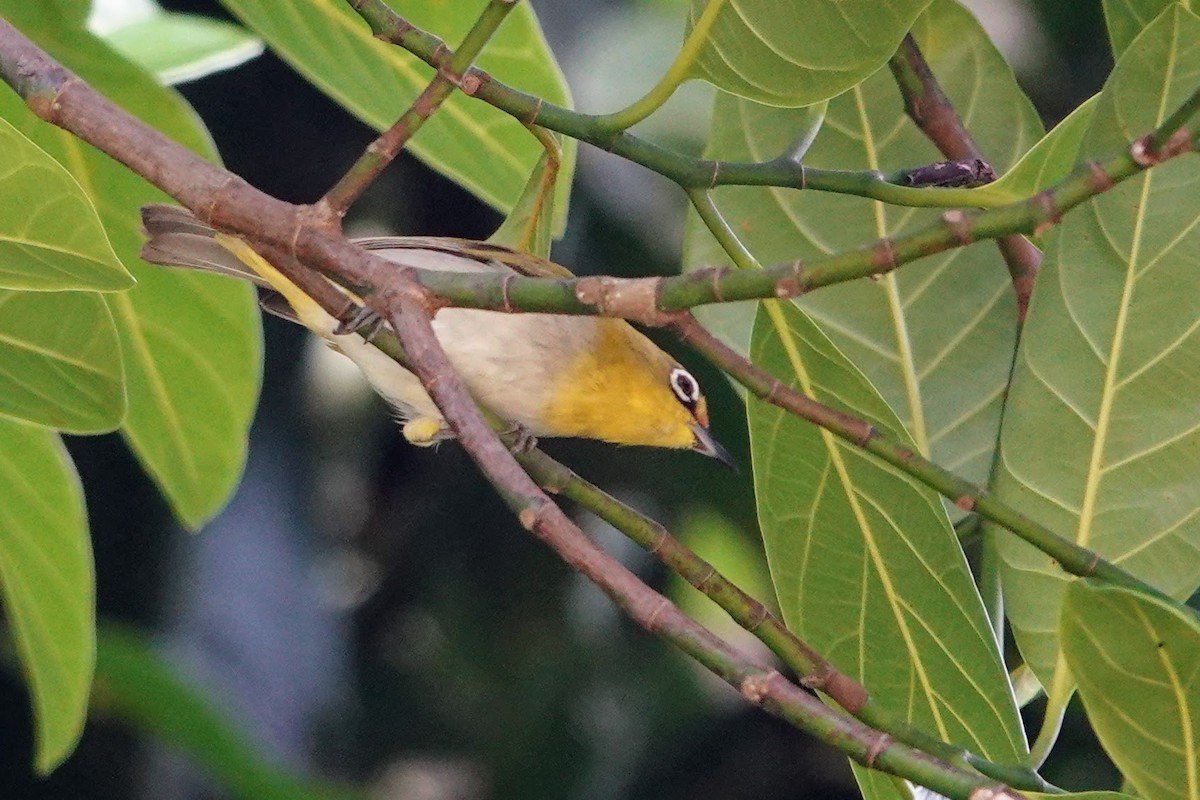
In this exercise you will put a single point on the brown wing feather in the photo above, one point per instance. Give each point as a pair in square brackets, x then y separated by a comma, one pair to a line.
[482, 252]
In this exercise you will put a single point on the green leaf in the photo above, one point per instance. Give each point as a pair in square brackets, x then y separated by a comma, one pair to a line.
[50, 236]
[48, 583]
[134, 682]
[60, 362]
[175, 47]
[191, 343]
[1127, 18]
[866, 566]
[1046, 163]
[1100, 440]
[1135, 660]
[936, 337]
[1079, 796]
[480, 148]
[796, 52]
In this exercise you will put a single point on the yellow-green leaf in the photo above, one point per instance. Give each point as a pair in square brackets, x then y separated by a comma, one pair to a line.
[865, 564]
[1136, 660]
[50, 236]
[486, 151]
[1100, 440]
[48, 583]
[60, 362]
[191, 344]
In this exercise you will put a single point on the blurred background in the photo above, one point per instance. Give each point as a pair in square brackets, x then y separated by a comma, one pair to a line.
[368, 612]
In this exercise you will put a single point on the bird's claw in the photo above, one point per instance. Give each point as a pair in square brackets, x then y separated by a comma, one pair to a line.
[364, 321]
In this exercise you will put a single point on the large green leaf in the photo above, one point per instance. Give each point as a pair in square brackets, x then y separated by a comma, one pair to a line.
[191, 343]
[865, 564]
[1127, 18]
[1136, 660]
[50, 236]
[174, 47]
[1101, 440]
[936, 337]
[48, 583]
[484, 150]
[60, 362]
[797, 52]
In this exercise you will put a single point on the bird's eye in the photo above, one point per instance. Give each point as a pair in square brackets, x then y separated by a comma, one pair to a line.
[685, 387]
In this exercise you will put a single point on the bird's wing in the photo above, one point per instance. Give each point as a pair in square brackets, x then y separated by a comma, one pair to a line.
[491, 256]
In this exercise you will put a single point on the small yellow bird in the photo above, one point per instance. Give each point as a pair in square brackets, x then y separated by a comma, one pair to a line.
[554, 375]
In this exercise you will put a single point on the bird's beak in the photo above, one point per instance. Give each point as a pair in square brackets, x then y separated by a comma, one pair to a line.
[706, 444]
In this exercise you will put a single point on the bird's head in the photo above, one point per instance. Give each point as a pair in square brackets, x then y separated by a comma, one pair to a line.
[626, 390]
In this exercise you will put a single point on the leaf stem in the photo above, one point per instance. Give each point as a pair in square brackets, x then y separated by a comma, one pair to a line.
[675, 75]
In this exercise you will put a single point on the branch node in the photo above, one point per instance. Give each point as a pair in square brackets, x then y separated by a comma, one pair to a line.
[956, 220]
[652, 620]
[716, 171]
[993, 793]
[966, 502]
[1101, 181]
[883, 257]
[755, 688]
[880, 744]
[1044, 202]
[504, 284]
[758, 615]
[793, 285]
[1141, 153]
[633, 299]
[715, 276]
[868, 433]
[709, 573]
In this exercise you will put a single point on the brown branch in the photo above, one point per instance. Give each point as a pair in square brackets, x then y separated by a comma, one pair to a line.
[931, 111]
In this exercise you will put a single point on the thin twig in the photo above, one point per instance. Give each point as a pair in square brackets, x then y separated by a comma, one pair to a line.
[687, 171]
[383, 150]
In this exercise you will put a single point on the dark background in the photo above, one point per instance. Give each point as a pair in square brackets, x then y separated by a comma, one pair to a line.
[369, 611]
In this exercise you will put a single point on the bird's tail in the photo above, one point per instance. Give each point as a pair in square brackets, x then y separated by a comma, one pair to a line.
[177, 239]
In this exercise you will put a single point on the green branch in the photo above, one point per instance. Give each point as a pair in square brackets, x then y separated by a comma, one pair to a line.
[688, 172]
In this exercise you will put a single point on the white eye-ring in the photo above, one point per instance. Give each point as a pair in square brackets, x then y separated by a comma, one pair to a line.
[685, 387]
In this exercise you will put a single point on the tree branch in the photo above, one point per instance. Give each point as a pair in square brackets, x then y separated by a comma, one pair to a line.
[931, 111]
[1070, 556]
[294, 236]
[688, 172]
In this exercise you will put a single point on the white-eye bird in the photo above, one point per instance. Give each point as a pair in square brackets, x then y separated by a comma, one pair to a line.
[554, 375]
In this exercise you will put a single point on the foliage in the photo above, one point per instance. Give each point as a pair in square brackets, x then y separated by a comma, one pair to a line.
[1083, 417]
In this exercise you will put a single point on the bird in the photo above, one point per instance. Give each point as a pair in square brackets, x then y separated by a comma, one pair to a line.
[551, 375]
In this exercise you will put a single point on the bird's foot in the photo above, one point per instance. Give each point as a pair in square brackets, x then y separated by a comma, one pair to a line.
[522, 441]
[363, 321]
